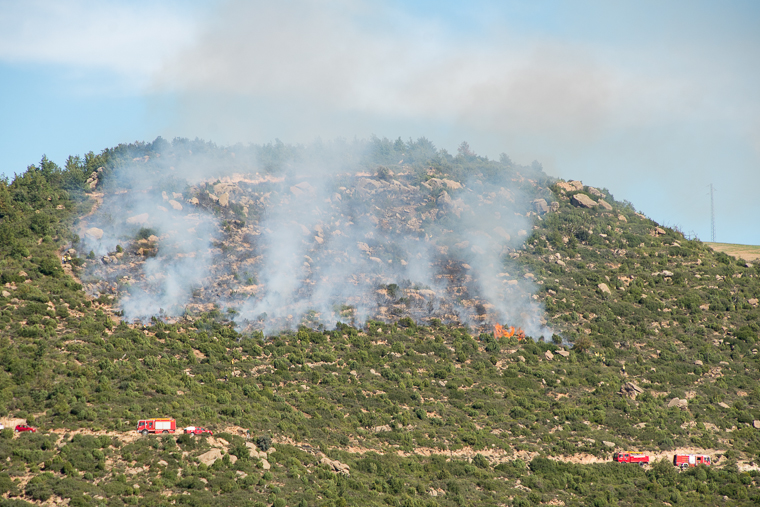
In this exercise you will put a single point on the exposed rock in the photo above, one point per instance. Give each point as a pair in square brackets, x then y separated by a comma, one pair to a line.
[582, 201]
[752, 301]
[302, 188]
[723, 405]
[677, 402]
[563, 353]
[659, 231]
[174, 204]
[194, 201]
[548, 355]
[604, 204]
[6, 294]
[540, 206]
[265, 464]
[596, 192]
[224, 199]
[698, 362]
[608, 444]
[94, 233]
[163, 463]
[138, 219]
[603, 287]
[756, 424]
[630, 390]
[210, 457]
[444, 199]
[336, 465]
[570, 186]
[622, 218]
[554, 206]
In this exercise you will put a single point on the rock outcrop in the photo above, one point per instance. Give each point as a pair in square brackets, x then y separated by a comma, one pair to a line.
[630, 390]
[582, 201]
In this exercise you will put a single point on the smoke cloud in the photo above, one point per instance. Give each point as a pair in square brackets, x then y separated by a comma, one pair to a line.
[279, 236]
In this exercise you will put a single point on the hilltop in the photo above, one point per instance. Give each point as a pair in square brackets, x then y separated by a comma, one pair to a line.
[637, 338]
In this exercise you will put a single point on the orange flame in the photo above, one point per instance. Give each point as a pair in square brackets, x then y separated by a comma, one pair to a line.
[500, 331]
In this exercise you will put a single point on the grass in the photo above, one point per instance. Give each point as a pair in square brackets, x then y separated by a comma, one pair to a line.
[746, 252]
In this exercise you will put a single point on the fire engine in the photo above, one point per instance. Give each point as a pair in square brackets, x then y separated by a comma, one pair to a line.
[691, 460]
[631, 457]
[156, 426]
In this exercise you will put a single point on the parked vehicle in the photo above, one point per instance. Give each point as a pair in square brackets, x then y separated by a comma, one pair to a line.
[165, 425]
[691, 460]
[24, 427]
[631, 457]
[195, 430]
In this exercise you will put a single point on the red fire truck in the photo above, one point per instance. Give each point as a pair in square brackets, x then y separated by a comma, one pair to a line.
[691, 460]
[631, 457]
[156, 426]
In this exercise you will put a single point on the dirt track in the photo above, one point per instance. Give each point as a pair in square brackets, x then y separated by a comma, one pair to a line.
[495, 456]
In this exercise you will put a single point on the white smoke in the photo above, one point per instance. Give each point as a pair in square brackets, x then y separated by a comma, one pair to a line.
[323, 239]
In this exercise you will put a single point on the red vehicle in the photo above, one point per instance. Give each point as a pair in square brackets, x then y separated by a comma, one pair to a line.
[691, 460]
[195, 430]
[631, 457]
[24, 427]
[156, 426]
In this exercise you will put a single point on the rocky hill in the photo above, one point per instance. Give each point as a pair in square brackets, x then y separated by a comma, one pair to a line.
[329, 311]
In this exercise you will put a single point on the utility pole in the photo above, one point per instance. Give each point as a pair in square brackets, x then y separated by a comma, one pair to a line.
[712, 212]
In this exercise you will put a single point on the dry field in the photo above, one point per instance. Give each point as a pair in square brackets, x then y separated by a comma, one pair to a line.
[746, 252]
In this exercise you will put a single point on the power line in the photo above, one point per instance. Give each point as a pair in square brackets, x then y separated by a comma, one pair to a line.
[712, 213]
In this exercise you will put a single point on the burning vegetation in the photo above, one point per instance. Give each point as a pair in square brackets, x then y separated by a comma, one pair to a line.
[315, 240]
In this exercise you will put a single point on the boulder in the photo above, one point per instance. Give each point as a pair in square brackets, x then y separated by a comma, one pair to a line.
[596, 192]
[630, 390]
[603, 287]
[444, 199]
[752, 301]
[698, 362]
[564, 353]
[548, 355]
[174, 204]
[336, 465]
[265, 464]
[659, 231]
[622, 218]
[540, 206]
[138, 219]
[677, 402]
[6, 294]
[582, 201]
[608, 444]
[554, 206]
[210, 457]
[224, 199]
[756, 424]
[723, 405]
[570, 186]
[604, 204]
[94, 233]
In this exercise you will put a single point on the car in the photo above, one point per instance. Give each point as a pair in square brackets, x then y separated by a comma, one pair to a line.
[24, 427]
[196, 430]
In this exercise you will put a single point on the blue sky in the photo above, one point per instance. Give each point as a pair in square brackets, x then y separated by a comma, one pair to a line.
[652, 100]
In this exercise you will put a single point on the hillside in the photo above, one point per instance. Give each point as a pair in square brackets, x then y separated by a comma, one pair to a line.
[388, 388]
